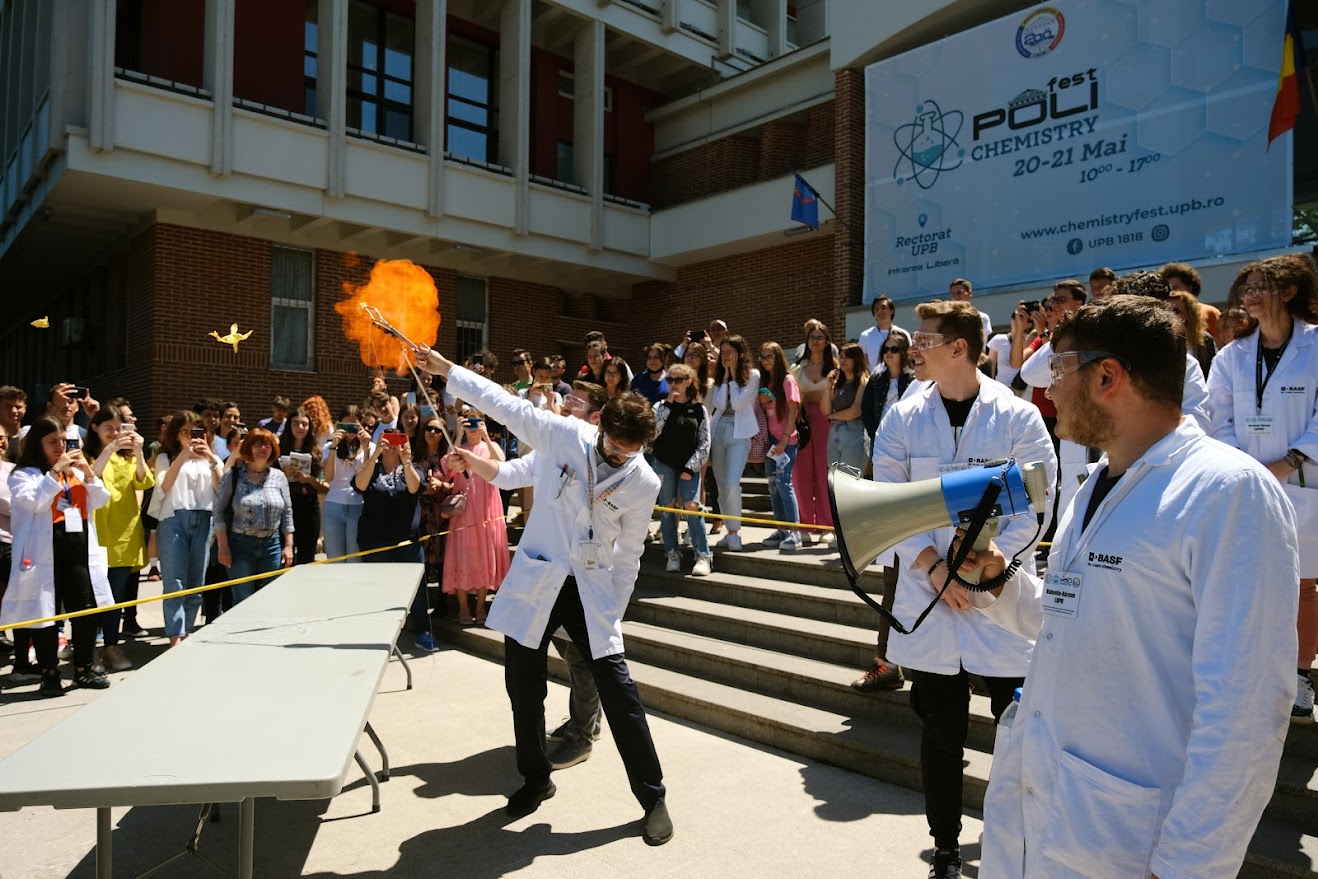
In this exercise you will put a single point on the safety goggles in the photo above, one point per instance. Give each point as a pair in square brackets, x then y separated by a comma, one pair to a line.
[925, 341]
[1067, 362]
[612, 451]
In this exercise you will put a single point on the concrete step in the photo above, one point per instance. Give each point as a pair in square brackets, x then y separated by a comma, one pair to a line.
[817, 565]
[802, 680]
[846, 645]
[868, 745]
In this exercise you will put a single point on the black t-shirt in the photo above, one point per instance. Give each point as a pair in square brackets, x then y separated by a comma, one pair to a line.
[1102, 488]
[958, 410]
[387, 510]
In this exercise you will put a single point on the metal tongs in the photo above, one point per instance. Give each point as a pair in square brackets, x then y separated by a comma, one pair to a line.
[382, 324]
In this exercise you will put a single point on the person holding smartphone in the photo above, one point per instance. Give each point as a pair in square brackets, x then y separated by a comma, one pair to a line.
[187, 475]
[59, 563]
[389, 485]
[115, 448]
[477, 556]
[343, 459]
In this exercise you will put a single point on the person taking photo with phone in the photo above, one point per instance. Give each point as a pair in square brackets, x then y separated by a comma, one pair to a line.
[59, 563]
[345, 455]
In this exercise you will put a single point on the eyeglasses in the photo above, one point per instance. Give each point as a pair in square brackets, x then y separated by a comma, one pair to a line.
[260, 442]
[678, 379]
[612, 451]
[1257, 289]
[434, 430]
[925, 341]
[767, 355]
[1061, 365]
[891, 349]
[817, 337]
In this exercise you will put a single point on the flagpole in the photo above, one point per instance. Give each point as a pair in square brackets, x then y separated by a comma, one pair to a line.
[819, 197]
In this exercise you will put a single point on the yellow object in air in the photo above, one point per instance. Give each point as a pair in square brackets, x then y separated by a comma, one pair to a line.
[233, 338]
[42, 323]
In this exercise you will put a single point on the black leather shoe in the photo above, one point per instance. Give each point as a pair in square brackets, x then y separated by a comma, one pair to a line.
[658, 826]
[528, 798]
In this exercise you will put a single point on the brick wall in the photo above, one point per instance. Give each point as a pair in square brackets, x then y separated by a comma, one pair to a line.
[849, 188]
[765, 295]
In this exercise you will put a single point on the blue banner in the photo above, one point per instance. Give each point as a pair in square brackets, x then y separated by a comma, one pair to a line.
[1071, 136]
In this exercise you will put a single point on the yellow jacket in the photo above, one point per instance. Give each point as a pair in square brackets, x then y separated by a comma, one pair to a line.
[119, 523]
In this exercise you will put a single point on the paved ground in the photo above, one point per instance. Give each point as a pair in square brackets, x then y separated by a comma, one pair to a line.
[739, 809]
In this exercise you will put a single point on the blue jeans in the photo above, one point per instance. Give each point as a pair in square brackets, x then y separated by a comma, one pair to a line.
[339, 528]
[846, 444]
[674, 491]
[183, 540]
[111, 619]
[728, 458]
[781, 494]
[252, 555]
[420, 612]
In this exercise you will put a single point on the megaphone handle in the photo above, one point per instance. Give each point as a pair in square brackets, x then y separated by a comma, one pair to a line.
[986, 534]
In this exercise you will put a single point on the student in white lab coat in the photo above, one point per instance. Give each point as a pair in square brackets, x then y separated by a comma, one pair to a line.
[58, 562]
[576, 566]
[1264, 401]
[1160, 561]
[963, 419]
[1073, 458]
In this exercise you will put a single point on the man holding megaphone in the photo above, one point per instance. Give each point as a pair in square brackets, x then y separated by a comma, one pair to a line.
[1173, 557]
[962, 420]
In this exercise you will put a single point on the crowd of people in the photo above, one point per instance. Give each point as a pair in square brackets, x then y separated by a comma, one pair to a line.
[88, 502]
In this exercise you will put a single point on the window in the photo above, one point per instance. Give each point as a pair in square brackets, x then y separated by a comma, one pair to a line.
[567, 88]
[380, 71]
[292, 309]
[473, 323]
[566, 170]
[310, 46]
[472, 112]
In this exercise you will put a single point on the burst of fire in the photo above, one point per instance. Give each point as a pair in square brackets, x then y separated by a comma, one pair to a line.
[406, 296]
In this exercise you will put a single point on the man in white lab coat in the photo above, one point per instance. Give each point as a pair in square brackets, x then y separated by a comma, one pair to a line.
[575, 566]
[961, 420]
[1158, 561]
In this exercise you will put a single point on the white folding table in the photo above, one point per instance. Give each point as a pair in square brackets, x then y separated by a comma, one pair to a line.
[283, 684]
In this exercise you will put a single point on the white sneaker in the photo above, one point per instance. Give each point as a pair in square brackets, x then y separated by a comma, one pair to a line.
[1303, 710]
[791, 543]
[702, 567]
[674, 562]
[830, 538]
[731, 542]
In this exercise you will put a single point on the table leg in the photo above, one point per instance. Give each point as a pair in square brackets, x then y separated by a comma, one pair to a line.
[383, 774]
[406, 667]
[104, 858]
[370, 776]
[246, 837]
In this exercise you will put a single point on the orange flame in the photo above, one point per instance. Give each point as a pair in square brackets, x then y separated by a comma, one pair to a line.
[406, 296]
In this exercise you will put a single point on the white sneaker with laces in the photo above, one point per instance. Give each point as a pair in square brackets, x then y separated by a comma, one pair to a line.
[674, 562]
[702, 567]
[731, 542]
[1303, 710]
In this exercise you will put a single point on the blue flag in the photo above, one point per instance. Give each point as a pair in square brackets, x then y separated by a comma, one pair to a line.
[805, 204]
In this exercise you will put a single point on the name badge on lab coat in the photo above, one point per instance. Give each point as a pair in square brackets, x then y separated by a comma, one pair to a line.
[590, 555]
[1061, 593]
[1258, 425]
[72, 516]
[944, 469]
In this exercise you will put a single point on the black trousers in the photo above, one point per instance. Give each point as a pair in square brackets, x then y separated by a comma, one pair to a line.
[525, 675]
[306, 525]
[943, 705]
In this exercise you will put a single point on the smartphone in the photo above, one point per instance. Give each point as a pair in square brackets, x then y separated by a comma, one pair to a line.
[72, 444]
[348, 427]
[394, 438]
[1033, 306]
[198, 433]
[78, 392]
[128, 428]
[478, 360]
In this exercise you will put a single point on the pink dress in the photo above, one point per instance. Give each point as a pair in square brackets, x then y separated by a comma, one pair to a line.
[476, 550]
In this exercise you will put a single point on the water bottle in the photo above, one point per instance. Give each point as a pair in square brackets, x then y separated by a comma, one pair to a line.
[1003, 734]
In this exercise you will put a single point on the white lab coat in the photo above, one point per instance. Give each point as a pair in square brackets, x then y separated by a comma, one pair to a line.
[1074, 458]
[561, 519]
[1152, 722]
[31, 592]
[1291, 398]
[914, 439]
[731, 397]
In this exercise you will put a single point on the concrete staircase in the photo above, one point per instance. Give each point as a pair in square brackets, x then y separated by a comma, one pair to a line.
[765, 649]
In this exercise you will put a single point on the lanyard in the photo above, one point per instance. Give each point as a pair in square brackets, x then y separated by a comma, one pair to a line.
[1260, 380]
[590, 488]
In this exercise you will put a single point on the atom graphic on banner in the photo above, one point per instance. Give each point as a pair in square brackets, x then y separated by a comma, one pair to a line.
[928, 146]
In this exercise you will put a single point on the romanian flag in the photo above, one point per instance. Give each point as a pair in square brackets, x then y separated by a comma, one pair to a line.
[1286, 106]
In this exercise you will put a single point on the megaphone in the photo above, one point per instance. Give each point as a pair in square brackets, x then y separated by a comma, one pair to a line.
[872, 517]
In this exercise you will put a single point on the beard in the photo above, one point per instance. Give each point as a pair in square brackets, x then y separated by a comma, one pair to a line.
[1083, 421]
